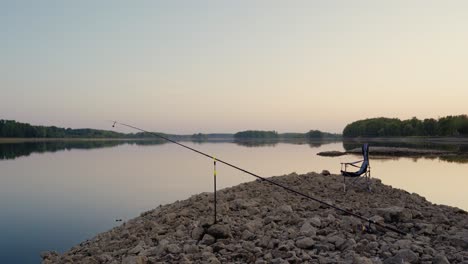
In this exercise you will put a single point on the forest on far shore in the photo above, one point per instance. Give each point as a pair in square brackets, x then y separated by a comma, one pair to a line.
[448, 126]
[259, 134]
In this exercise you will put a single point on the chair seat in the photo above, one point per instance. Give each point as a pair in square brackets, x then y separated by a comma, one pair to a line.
[350, 174]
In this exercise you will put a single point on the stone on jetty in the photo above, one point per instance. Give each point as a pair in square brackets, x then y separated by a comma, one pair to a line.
[261, 223]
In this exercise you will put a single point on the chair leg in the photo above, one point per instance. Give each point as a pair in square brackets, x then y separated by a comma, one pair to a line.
[368, 182]
[344, 184]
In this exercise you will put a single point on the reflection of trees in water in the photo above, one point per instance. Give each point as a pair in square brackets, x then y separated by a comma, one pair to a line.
[274, 142]
[14, 150]
[460, 149]
[147, 142]
[452, 147]
[452, 158]
[319, 143]
[455, 158]
[256, 142]
[463, 158]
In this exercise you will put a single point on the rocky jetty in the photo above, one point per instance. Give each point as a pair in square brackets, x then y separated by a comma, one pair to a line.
[261, 223]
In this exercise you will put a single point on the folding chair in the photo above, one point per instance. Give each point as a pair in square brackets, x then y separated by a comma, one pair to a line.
[364, 169]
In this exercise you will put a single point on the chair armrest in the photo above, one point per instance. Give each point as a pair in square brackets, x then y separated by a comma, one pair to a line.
[350, 163]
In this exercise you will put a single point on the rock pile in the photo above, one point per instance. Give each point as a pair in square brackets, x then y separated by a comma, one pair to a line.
[260, 223]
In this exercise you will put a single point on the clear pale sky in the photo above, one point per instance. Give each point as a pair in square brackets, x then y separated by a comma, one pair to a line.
[226, 66]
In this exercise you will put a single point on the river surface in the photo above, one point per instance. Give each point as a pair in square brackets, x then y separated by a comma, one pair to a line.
[54, 195]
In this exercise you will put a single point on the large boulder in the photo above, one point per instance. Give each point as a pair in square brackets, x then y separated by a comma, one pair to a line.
[308, 230]
[460, 239]
[395, 214]
[305, 243]
[403, 256]
[219, 231]
[134, 260]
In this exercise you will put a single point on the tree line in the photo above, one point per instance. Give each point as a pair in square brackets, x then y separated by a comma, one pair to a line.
[258, 134]
[393, 127]
[13, 129]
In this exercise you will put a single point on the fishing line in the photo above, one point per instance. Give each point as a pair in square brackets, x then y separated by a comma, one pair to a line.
[368, 220]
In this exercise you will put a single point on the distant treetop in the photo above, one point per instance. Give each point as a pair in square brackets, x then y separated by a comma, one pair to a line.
[256, 134]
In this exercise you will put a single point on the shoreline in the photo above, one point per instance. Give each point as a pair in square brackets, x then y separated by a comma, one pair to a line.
[261, 223]
[21, 140]
[392, 151]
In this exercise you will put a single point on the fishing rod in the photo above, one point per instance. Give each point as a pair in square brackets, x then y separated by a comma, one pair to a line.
[368, 220]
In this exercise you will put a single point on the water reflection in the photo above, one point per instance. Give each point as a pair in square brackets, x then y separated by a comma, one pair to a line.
[274, 142]
[463, 158]
[455, 146]
[55, 200]
[19, 149]
[459, 149]
[256, 143]
[14, 150]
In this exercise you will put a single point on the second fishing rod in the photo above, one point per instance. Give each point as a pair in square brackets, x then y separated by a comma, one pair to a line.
[368, 220]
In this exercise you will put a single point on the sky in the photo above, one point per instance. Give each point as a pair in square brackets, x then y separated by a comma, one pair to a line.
[226, 66]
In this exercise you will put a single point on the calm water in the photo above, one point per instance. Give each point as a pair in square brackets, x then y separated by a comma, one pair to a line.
[55, 195]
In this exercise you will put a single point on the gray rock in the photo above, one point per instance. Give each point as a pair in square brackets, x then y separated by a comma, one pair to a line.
[163, 243]
[308, 230]
[207, 240]
[247, 235]
[336, 240]
[315, 221]
[305, 243]
[377, 219]
[324, 247]
[362, 260]
[279, 261]
[402, 256]
[136, 250]
[281, 254]
[213, 260]
[173, 248]
[350, 223]
[134, 260]
[191, 249]
[104, 258]
[403, 244]
[48, 254]
[254, 225]
[394, 260]
[197, 233]
[395, 214]
[219, 231]
[440, 259]
[408, 255]
[90, 260]
[347, 244]
[460, 239]
[285, 209]
[425, 228]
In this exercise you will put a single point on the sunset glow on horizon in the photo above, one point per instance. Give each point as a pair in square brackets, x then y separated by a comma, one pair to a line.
[221, 66]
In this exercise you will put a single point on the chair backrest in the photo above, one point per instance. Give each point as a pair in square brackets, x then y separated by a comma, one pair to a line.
[365, 156]
[365, 152]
